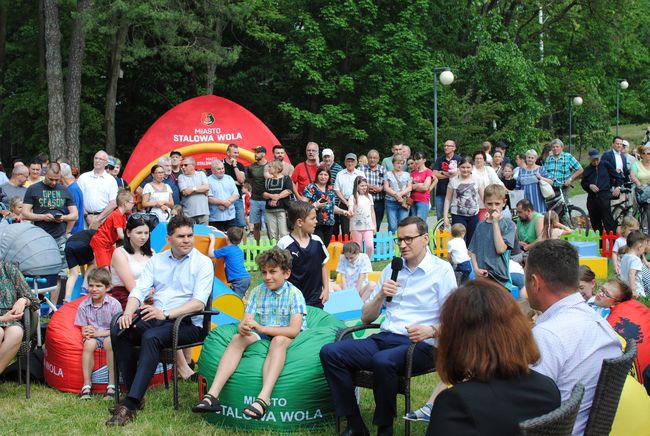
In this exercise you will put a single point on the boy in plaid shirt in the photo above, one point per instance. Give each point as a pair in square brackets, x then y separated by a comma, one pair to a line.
[276, 311]
[94, 318]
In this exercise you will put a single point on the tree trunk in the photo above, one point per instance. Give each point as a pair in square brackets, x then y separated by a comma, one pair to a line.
[113, 75]
[212, 64]
[73, 84]
[41, 42]
[54, 77]
[3, 40]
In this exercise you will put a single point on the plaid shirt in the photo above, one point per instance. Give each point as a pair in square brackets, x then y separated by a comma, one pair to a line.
[275, 308]
[375, 177]
[98, 317]
[560, 169]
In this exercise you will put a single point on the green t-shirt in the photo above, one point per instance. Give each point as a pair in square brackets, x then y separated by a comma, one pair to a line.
[255, 176]
[526, 230]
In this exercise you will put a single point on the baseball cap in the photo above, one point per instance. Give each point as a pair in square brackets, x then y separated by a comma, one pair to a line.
[111, 162]
[626, 143]
[328, 152]
[260, 149]
[351, 156]
[594, 154]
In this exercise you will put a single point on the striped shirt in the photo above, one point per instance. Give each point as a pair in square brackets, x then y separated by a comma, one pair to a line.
[561, 168]
[275, 308]
[97, 316]
[375, 177]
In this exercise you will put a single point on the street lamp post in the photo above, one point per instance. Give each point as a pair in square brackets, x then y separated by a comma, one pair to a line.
[620, 84]
[446, 78]
[573, 100]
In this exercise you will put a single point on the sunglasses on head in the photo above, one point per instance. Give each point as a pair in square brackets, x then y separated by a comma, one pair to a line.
[149, 219]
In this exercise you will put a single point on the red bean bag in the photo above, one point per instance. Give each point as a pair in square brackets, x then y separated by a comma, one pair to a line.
[631, 319]
[63, 348]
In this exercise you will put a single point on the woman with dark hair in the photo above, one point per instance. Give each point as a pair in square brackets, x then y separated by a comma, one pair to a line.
[485, 347]
[423, 183]
[128, 261]
[321, 195]
[157, 195]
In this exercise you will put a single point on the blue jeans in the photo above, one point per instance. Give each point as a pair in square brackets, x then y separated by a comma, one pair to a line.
[440, 206]
[395, 213]
[240, 286]
[421, 209]
[240, 215]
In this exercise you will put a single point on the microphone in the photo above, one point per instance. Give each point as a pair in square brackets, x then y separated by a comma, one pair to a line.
[396, 265]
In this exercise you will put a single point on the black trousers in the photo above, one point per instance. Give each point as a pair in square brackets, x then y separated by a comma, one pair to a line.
[341, 223]
[600, 212]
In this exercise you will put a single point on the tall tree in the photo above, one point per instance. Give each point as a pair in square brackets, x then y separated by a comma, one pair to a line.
[54, 74]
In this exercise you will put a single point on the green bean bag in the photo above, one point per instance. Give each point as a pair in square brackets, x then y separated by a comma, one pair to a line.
[301, 398]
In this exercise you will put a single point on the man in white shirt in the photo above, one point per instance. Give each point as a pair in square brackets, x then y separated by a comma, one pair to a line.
[343, 189]
[181, 278]
[572, 338]
[99, 189]
[194, 188]
[412, 315]
[617, 159]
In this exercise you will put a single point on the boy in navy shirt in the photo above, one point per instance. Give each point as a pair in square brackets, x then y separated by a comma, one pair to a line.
[233, 256]
[309, 272]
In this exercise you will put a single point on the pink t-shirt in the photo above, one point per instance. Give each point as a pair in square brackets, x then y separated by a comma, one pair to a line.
[419, 177]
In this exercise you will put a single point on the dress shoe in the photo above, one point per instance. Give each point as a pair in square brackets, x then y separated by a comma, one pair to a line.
[349, 432]
[112, 408]
[121, 416]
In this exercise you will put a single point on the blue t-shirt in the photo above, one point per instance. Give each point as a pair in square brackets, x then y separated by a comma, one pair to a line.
[233, 257]
[78, 198]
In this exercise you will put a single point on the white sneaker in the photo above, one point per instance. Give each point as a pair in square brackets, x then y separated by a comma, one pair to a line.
[421, 414]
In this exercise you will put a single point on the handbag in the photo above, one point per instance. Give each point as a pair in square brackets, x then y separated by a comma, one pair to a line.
[407, 202]
[643, 195]
[546, 189]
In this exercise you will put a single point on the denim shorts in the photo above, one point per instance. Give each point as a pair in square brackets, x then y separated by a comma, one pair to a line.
[256, 212]
[100, 342]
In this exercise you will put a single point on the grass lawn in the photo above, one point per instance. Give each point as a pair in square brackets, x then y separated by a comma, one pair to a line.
[50, 411]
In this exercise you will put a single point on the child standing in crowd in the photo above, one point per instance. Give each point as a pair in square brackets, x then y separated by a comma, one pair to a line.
[246, 194]
[103, 242]
[282, 311]
[553, 228]
[310, 256]
[458, 254]
[362, 220]
[631, 264]
[628, 225]
[94, 318]
[233, 257]
[354, 267]
[463, 199]
[15, 210]
[493, 239]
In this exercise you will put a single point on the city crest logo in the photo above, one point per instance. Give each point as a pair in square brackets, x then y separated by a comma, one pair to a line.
[207, 118]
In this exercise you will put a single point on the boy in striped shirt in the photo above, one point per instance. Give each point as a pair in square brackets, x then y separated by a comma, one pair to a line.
[94, 317]
[275, 311]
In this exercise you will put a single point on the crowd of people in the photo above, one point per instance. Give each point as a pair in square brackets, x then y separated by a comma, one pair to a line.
[94, 218]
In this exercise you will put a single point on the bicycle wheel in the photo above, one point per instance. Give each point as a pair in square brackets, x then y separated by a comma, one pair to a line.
[644, 218]
[440, 225]
[578, 219]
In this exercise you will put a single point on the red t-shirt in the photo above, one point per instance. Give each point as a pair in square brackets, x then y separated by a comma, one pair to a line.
[106, 235]
[419, 177]
[300, 177]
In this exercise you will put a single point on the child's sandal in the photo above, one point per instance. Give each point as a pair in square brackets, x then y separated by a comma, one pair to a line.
[252, 412]
[85, 392]
[110, 392]
[208, 404]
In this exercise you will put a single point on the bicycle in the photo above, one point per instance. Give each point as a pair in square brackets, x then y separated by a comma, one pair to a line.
[627, 205]
[570, 215]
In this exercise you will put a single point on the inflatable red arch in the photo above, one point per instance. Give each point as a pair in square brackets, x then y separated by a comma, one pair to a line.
[202, 127]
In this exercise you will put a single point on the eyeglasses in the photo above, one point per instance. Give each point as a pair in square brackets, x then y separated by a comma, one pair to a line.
[186, 165]
[408, 240]
[606, 293]
[101, 159]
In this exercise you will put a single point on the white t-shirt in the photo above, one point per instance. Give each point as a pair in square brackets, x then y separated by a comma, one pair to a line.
[164, 195]
[633, 262]
[457, 251]
[362, 218]
[352, 271]
[97, 191]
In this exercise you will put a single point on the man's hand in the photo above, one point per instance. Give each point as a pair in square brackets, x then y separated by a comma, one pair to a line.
[48, 217]
[616, 192]
[593, 187]
[419, 333]
[389, 288]
[149, 312]
[125, 320]
[568, 182]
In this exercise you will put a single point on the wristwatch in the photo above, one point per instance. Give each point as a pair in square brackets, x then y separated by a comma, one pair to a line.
[166, 313]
